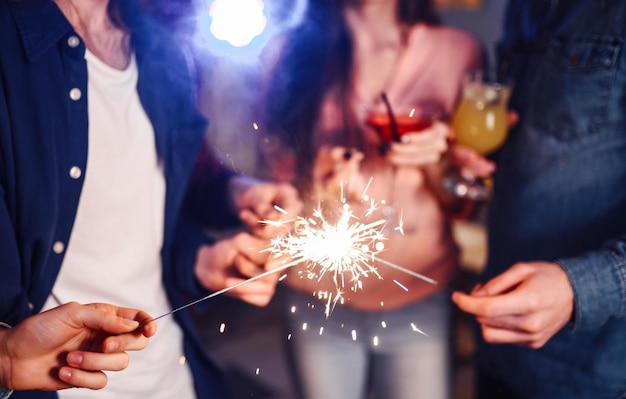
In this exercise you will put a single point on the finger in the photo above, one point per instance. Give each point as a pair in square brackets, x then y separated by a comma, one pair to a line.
[506, 281]
[417, 155]
[271, 230]
[94, 361]
[419, 147]
[112, 319]
[146, 321]
[438, 131]
[512, 303]
[477, 290]
[466, 158]
[262, 207]
[149, 327]
[507, 322]
[251, 218]
[132, 341]
[259, 300]
[255, 292]
[251, 248]
[513, 118]
[504, 336]
[288, 201]
[249, 269]
[83, 379]
[97, 320]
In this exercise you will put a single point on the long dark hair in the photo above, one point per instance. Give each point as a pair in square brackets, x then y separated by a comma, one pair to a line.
[317, 56]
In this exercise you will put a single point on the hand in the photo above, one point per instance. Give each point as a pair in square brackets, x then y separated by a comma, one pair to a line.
[233, 260]
[334, 167]
[525, 305]
[257, 201]
[70, 345]
[470, 162]
[422, 148]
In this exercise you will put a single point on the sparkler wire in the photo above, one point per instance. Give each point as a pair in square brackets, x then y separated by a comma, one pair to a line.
[302, 248]
[407, 271]
[224, 290]
[279, 269]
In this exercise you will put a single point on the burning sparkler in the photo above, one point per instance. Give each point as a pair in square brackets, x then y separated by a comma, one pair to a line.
[346, 249]
[332, 241]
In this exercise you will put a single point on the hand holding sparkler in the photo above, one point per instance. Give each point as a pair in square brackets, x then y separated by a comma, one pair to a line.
[334, 166]
[525, 305]
[234, 260]
[258, 200]
[71, 345]
[341, 247]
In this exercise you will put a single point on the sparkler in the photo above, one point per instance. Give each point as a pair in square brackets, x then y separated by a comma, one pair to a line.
[347, 249]
[332, 241]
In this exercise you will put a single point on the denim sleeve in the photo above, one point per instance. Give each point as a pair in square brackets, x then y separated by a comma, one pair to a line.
[5, 393]
[599, 283]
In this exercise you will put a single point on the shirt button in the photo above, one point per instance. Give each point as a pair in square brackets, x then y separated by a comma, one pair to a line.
[75, 172]
[73, 41]
[58, 247]
[75, 94]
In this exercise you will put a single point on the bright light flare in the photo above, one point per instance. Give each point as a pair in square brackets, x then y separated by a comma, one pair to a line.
[333, 241]
[345, 249]
[237, 21]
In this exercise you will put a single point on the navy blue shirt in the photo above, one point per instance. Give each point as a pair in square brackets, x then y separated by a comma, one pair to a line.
[43, 144]
[560, 191]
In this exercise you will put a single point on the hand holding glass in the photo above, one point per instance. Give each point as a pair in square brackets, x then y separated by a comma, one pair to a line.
[481, 123]
[391, 125]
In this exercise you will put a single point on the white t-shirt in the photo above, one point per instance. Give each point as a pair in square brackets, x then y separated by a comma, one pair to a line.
[113, 254]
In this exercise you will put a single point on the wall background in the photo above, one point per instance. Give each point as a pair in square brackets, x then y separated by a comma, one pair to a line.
[484, 21]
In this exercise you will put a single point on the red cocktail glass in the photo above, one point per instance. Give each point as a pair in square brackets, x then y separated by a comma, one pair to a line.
[412, 120]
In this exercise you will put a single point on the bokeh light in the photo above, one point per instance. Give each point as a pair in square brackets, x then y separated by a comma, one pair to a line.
[237, 22]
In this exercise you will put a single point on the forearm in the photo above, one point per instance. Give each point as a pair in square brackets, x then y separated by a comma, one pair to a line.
[599, 284]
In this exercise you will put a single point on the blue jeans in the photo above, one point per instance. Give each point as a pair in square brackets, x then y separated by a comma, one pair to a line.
[353, 353]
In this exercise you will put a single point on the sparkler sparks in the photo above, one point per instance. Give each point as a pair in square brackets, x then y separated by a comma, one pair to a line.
[333, 241]
[337, 248]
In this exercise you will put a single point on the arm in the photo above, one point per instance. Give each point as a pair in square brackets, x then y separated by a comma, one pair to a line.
[532, 301]
[598, 283]
[70, 346]
[218, 265]
[432, 70]
[257, 201]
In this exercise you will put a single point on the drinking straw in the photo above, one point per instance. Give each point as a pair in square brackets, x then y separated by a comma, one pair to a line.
[392, 119]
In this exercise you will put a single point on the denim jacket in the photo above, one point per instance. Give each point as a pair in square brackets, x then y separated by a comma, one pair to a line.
[560, 190]
[43, 142]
